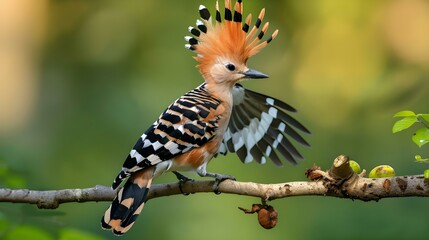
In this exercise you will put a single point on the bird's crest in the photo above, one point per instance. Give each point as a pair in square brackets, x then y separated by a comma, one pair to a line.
[229, 38]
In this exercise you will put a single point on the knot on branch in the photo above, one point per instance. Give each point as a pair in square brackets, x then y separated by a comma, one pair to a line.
[338, 180]
[48, 203]
[341, 169]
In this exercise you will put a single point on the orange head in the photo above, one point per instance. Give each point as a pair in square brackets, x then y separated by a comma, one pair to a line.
[224, 47]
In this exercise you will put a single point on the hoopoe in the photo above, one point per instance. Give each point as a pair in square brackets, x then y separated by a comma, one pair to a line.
[217, 117]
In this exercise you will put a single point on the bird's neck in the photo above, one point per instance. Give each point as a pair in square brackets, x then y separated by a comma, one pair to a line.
[224, 109]
[222, 92]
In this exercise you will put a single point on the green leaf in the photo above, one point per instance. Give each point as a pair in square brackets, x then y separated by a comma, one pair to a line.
[424, 116]
[74, 234]
[426, 173]
[421, 137]
[404, 123]
[28, 232]
[405, 113]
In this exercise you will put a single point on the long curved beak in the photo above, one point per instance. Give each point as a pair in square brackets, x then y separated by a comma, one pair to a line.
[254, 74]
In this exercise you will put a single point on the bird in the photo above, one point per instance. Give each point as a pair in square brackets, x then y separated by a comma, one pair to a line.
[219, 116]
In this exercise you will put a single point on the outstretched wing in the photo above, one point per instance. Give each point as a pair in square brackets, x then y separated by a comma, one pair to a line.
[260, 127]
[183, 126]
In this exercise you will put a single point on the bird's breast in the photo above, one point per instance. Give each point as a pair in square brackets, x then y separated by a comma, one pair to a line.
[201, 155]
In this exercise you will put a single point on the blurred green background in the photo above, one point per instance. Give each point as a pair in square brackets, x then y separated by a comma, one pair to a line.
[81, 80]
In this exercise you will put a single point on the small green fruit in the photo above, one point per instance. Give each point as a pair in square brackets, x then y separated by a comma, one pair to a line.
[355, 166]
[426, 174]
[382, 171]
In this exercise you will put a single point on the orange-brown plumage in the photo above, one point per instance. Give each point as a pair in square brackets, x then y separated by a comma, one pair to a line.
[201, 155]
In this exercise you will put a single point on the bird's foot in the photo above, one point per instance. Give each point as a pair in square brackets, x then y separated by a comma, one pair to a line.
[182, 179]
[218, 179]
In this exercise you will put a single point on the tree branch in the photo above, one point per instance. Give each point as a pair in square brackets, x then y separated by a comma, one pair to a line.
[339, 181]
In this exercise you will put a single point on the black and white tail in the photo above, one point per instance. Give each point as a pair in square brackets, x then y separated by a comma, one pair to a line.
[128, 203]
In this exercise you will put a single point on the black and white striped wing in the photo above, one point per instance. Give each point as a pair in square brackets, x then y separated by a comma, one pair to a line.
[261, 128]
[183, 126]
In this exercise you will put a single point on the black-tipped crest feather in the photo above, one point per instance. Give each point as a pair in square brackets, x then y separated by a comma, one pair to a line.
[231, 16]
[204, 13]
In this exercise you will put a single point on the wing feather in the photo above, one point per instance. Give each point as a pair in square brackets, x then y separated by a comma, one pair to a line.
[183, 126]
[261, 127]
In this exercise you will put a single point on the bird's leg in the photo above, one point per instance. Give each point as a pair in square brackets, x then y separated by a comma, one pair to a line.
[218, 178]
[182, 179]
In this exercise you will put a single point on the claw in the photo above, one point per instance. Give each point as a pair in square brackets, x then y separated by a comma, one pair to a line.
[220, 178]
[182, 179]
[216, 187]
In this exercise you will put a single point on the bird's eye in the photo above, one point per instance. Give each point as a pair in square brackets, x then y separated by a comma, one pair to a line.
[230, 67]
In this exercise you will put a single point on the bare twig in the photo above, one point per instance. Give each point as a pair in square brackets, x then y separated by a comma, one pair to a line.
[339, 181]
